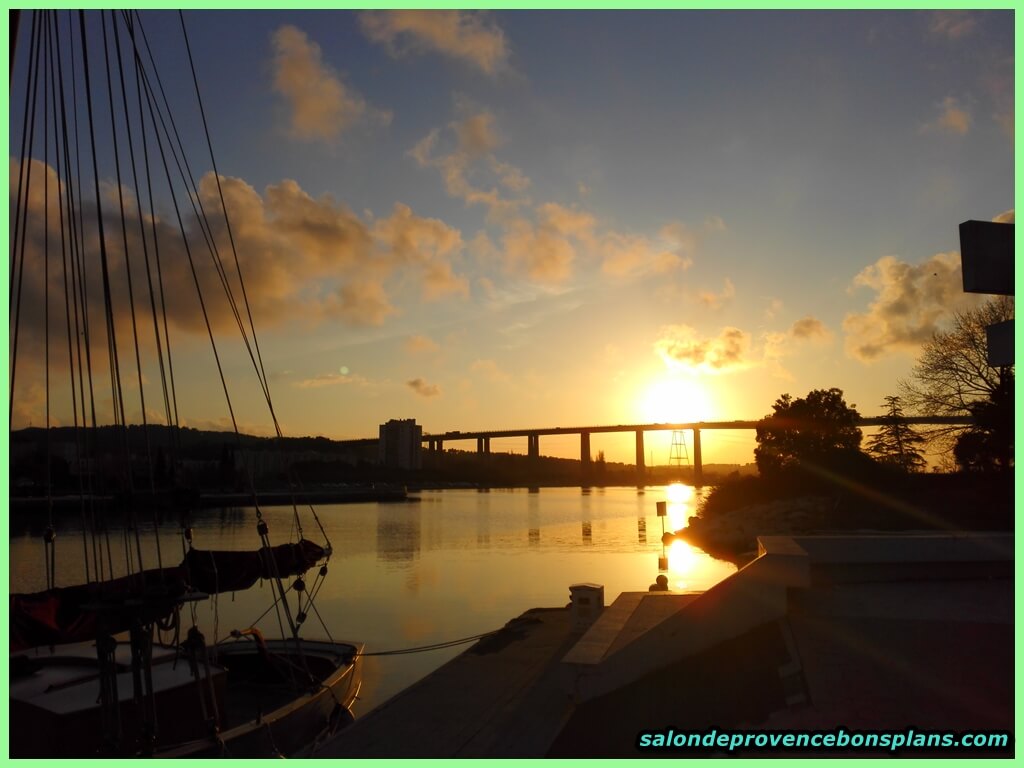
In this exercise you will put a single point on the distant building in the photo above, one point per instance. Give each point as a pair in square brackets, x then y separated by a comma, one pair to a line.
[400, 444]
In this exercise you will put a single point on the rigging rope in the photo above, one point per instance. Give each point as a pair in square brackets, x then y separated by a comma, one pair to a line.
[434, 646]
[18, 255]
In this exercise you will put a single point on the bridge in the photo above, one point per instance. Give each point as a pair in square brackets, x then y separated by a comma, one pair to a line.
[435, 442]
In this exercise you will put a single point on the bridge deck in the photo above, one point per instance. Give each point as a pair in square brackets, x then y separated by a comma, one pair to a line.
[871, 421]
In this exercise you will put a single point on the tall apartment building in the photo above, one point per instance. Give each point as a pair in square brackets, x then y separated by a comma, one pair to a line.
[400, 444]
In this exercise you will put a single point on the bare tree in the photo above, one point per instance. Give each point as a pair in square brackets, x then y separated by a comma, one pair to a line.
[952, 374]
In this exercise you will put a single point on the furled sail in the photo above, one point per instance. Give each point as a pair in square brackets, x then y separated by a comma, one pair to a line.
[82, 612]
[213, 571]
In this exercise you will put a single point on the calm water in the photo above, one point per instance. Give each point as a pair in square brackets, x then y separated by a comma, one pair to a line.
[446, 565]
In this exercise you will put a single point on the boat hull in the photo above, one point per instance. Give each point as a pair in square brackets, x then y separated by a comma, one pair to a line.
[266, 703]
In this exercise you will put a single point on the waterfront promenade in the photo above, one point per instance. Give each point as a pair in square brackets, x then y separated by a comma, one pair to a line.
[884, 633]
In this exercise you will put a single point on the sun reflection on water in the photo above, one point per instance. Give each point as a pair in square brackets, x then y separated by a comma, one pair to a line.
[683, 560]
[680, 507]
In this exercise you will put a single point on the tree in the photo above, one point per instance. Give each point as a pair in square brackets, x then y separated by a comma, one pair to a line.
[815, 429]
[952, 374]
[987, 445]
[896, 443]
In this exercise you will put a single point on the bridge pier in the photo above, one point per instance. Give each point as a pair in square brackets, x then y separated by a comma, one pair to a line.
[533, 445]
[483, 445]
[641, 469]
[698, 467]
[585, 450]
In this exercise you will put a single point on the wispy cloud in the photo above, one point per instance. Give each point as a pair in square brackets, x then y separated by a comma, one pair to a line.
[953, 119]
[489, 369]
[321, 105]
[332, 380]
[774, 307]
[952, 25]
[468, 166]
[462, 35]
[714, 300]
[418, 344]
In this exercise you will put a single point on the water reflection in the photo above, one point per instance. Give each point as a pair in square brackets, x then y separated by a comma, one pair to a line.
[453, 564]
[683, 562]
[586, 530]
[398, 532]
[533, 519]
[680, 500]
[483, 520]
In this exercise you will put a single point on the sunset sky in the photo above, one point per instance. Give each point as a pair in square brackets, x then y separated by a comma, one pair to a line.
[514, 219]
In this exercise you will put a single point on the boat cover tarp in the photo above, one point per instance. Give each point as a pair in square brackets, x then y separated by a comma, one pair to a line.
[214, 571]
[83, 612]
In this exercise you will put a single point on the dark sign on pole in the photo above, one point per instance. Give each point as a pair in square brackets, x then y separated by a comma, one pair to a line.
[986, 251]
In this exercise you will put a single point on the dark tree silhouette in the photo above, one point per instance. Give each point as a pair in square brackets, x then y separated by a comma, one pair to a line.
[896, 443]
[813, 429]
[987, 445]
[952, 374]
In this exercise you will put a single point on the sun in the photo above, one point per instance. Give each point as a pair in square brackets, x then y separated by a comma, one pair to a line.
[676, 399]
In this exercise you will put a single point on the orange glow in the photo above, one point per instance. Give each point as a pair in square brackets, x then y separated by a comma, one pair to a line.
[676, 399]
[682, 561]
[678, 493]
[680, 507]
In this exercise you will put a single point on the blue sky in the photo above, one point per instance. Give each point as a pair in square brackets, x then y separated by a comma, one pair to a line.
[506, 219]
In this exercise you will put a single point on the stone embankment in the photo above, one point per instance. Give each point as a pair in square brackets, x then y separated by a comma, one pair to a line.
[733, 534]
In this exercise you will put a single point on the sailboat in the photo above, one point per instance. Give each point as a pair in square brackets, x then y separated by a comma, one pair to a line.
[118, 665]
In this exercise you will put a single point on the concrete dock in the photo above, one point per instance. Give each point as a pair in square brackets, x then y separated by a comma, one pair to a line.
[855, 632]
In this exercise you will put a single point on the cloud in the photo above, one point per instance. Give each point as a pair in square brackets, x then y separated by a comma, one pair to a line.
[511, 178]
[811, 329]
[545, 248]
[953, 120]
[423, 389]
[305, 260]
[489, 370]
[684, 239]
[714, 224]
[624, 255]
[911, 300]
[952, 25]
[773, 308]
[470, 163]
[428, 243]
[714, 300]
[681, 347]
[331, 380]
[542, 244]
[460, 35]
[322, 105]
[419, 344]
[476, 135]
[361, 302]
[1006, 217]
[541, 253]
